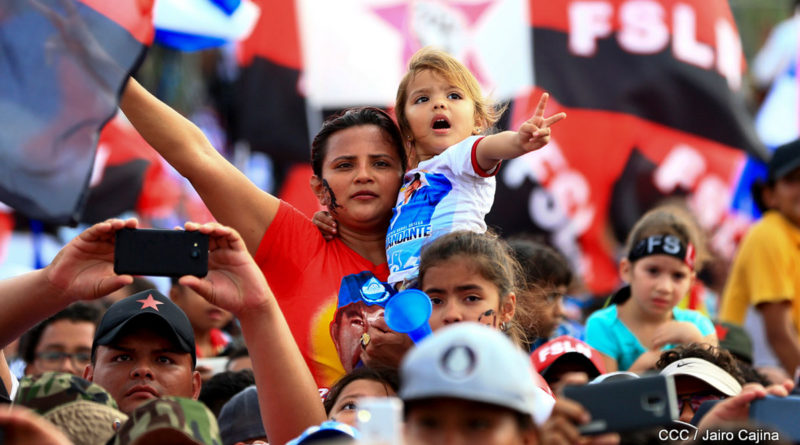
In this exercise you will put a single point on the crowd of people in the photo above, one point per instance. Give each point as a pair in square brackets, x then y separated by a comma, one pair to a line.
[286, 337]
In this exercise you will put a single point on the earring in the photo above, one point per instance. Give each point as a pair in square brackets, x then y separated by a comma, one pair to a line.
[477, 130]
[504, 326]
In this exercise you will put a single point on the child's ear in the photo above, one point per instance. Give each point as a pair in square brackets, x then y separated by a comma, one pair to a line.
[768, 197]
[508, 308]
[626, 270]
[319, 191]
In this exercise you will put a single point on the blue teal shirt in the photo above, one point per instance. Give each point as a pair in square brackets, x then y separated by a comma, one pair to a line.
[606, 333]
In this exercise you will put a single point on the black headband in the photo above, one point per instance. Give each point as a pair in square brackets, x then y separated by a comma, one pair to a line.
[663, 245]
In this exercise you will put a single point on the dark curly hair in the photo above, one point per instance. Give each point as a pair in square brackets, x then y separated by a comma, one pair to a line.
[707, 352]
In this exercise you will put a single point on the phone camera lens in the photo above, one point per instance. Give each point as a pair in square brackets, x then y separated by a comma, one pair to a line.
[195, 253]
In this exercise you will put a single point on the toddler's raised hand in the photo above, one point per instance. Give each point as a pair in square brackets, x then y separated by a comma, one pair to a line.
[535, 132]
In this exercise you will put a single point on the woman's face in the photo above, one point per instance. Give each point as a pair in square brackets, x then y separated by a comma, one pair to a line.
[364, 173]
[456, 422]
[346, 406]
[459, 292]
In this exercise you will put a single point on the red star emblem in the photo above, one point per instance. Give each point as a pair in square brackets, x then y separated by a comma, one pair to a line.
[399, 17]
[150, 302]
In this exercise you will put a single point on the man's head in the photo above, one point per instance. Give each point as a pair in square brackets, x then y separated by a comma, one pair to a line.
[546, 276]
[359, 318]
[61, 343]
[143, 349]
[467, 374]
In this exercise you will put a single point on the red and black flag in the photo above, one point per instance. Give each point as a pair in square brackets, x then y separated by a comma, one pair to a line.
[653, 94]
[63, 65]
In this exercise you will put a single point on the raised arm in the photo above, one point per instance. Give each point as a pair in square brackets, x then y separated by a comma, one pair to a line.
[287, 395]
[82, 270]
[532, 135]
[230, 196]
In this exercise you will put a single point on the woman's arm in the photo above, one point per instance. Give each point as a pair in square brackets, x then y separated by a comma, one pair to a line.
[288, 397]
[230, 196]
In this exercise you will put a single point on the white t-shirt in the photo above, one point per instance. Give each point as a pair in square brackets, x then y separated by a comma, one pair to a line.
[446, 193]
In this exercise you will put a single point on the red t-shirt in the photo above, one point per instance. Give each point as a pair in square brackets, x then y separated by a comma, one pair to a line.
[304, 272]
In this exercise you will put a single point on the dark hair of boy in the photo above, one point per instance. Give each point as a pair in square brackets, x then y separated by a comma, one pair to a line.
[386, 376]
[75, 312]
[222, 386]
[540, 263]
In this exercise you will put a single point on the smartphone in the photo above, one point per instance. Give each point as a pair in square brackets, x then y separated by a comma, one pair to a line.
[168, 253]
[627, 405]
[380, 420]
[780, 413]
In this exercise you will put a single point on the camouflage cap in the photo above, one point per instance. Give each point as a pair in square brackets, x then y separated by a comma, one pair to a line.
[43, 392]
[83, 410]
[174, 420]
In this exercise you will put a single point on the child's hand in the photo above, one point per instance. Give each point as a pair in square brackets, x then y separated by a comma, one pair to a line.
[325, 223]
[676, 332]
[535, 132]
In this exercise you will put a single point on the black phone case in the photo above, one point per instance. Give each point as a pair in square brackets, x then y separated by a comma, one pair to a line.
[627, 405]
[170, 253]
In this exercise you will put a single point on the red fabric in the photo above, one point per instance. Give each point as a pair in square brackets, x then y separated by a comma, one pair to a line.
[555, 14]
[477, 167]
[544, 356]
[218, 343]
[593, 146]
[136, 16]
[275, 36]
[160, 193]
[304, 271]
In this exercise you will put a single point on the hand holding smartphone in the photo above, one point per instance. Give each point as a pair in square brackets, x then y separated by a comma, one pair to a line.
[156, 252]
[627, 405]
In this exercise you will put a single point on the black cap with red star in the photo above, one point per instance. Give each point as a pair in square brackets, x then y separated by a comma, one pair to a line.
[149, 303]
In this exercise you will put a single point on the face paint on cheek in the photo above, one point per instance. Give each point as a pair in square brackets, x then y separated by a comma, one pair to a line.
[489, 318]
[331, 196]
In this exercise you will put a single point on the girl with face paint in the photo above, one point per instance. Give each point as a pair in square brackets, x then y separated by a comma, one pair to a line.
[470, 277]
[643, 318]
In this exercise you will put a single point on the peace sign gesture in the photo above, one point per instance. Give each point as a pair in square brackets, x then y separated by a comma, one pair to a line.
[535, 132]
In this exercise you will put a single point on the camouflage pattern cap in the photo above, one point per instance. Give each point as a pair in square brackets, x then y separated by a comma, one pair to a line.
[83, 410]
[174, 420]
[41, 393]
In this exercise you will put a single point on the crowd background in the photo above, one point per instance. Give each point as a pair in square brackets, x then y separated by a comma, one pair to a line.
[582, 213]
[662, 109]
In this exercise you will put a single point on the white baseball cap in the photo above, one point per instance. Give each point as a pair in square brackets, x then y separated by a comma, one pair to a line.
[705, 371]
[474, 362]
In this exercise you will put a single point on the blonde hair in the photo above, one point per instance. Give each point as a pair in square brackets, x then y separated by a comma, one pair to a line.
[447, 66]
